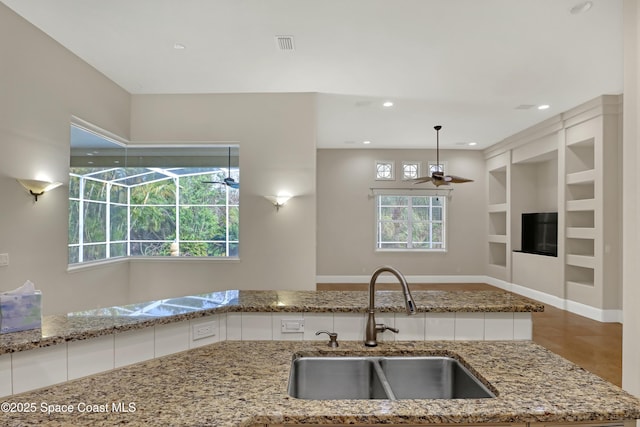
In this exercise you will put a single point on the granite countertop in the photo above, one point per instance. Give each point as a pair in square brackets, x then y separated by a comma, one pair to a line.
[245, 383]
[93, 323]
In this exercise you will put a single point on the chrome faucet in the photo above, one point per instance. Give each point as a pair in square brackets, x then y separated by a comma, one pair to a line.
[372, 330]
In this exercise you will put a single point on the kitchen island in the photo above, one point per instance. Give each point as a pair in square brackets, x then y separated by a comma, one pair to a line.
[245, 384]
[62, 328]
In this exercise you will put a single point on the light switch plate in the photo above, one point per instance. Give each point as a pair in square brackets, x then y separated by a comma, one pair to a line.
[4, 260]
[291, 326]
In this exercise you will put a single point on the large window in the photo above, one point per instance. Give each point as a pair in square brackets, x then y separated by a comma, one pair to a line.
[177, 201]
[410, 222]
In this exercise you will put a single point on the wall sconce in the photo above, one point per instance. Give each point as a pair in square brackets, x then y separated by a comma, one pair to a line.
[37, 188]
[279, 201]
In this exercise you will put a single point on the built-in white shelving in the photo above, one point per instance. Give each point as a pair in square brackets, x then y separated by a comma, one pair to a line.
[568, 164]
[583, 177]
[581, 205]
[581, 261]
[498, 212]
[581, 233]
[592, 235]
[497, 238]
[497, 207]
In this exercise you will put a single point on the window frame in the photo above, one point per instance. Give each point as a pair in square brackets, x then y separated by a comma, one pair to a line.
[378, 194]
[79, 241]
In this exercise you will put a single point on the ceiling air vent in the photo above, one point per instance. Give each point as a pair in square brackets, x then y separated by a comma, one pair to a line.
[285, 43]
[524, 107]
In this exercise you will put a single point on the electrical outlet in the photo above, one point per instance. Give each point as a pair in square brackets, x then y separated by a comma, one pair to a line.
[203, 330]
[4, 260]
[291, 326]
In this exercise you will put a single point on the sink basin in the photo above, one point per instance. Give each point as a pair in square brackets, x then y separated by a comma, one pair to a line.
[323, 378]
[431, 378]
[421, 377]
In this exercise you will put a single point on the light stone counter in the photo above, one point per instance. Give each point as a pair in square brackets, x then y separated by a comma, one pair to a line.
[57, 329]
[245, 383]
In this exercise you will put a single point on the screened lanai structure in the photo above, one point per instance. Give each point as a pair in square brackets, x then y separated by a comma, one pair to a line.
[151, 201]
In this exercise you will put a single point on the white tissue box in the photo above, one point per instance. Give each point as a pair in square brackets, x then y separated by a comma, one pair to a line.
[20, 312]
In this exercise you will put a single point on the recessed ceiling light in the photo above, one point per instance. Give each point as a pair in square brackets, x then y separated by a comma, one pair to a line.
[366, 142]
[581, 7]
[179, 46]
[473, 144]
[387, 104]
[543, 107]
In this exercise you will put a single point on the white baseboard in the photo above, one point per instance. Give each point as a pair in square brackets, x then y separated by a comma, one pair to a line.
[601, 315]
[387, 278]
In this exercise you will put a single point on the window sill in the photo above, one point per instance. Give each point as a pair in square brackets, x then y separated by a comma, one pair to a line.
[183, 259]
[142, 259]
[412, 250]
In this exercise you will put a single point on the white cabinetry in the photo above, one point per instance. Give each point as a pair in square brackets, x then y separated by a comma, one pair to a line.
[498, 179]
[569, 164]
[592, 209]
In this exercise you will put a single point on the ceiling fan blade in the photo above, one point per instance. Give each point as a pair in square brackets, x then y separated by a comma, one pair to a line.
[457, 179]
[228, 181]
[422, 179]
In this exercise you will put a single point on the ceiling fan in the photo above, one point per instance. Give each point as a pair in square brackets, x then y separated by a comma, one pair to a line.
[438, 177]
[228, 180]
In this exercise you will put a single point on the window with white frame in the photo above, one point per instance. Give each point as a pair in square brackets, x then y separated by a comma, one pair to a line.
[436, 167]
[153, 201]
[410, 170]
[411, 222]
[385, 170]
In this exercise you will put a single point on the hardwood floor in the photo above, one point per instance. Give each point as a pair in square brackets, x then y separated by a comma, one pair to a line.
[595, 346]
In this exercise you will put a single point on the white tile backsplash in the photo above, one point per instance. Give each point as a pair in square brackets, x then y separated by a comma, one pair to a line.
[412, 328]
[469, 326]
[498, 326]
[133, 346]
[171, 338]
[314, 322]
[440, 326]
[522, 326]
[222, 322]
[256, 326]
[28, 370]
[234, 326]
[349, 326]
[39, 367]
[88, 357]
[5, 375]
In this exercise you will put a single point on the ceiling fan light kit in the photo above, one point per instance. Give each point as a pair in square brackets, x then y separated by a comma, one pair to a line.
[438, 177]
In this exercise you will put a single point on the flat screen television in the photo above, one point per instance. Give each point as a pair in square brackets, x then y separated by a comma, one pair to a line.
[540, 233]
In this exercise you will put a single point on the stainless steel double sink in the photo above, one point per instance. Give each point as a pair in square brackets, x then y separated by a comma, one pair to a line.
[395, 377]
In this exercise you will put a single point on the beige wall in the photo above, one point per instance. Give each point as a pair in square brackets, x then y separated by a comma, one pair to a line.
[631, 196]
[346, 214]
[41, 86]
[276, 134]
